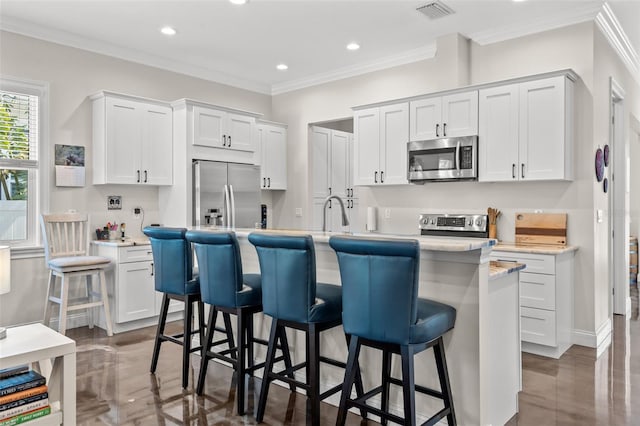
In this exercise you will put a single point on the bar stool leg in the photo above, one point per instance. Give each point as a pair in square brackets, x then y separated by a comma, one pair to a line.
[443, 375]
[314, 361]
[230, 338]
[159, 332]
[268, 367]
[51, 287]
[240, 365]
[250, 337]
[408, 385]
[284, 344]
[201, 324]
[186, 339]
[206, 344]
[89, 281]
[349, 377]
[64, 297]
[386, 374]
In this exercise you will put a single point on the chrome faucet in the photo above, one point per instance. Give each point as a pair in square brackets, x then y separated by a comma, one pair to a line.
[345, 219]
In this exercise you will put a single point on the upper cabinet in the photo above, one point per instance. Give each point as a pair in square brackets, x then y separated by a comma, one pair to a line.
[526, 131]
[273, 155]
[444, 116]
[222, 129]
[332, 171]
[380, 147]
[132, 140]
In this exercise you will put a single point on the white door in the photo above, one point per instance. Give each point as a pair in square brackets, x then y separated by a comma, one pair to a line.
[274, 158]
[123, 141]
[239, 132]
[394, 120]
[425, 119]
[460, 114]
[320, 157]
[208, 127]
[136, 298]
[366, 165]
[498, 134]
[542, 129]
[338, 166]
[157, 145]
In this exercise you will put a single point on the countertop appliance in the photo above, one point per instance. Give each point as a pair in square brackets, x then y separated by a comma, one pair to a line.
[226, 194]
[455, 225]
[444, 159]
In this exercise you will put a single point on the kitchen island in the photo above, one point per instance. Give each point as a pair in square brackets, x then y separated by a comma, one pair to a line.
[483, 350]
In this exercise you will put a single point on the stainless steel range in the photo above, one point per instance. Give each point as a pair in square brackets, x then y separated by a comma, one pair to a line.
[455, 225]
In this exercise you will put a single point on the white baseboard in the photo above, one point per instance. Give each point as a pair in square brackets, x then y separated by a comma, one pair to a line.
[76, 320]
[600, 340]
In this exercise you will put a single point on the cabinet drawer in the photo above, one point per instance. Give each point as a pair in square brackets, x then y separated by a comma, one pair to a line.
[538, 291]
[536, 263]
[135, 254]
[538, 326]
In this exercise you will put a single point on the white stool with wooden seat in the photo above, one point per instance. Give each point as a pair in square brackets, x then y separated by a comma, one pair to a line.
[66, 242]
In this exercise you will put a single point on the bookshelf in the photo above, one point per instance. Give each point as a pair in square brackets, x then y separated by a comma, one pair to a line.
[56, 356]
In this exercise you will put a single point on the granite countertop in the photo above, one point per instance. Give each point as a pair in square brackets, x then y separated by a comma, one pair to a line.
[500, 268]
[533, 248]
[127, 242]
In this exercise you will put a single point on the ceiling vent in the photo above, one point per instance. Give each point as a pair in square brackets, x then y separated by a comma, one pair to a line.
[435, 10]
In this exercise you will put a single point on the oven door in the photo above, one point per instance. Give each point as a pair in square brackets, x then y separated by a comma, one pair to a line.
[443, 159]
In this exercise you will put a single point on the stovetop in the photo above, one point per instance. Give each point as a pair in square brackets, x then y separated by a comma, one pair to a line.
[454, 225]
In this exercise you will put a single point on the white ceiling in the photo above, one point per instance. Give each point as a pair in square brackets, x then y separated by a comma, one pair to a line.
[241, 45]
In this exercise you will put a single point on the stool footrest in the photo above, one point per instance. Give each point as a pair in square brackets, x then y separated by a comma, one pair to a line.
[331, 391]
[333, 362]
[428, 391]
[437, 417]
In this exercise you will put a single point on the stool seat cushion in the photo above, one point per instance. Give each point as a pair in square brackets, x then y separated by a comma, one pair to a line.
[78, 263]
[434, 320]
[328, 303]
[251, 293]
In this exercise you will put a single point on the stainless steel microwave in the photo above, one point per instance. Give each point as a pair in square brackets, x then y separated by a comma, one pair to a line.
[443, 159]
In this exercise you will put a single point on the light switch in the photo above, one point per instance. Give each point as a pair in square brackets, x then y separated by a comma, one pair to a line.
[387, 213]
[599, 214]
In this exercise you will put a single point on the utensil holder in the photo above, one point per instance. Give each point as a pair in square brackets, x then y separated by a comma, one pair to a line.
[493, 231]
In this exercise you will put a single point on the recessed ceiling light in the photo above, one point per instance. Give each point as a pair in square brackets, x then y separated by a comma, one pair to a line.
[168, 31]
[353, 46]
[282, 67]
[518, 1]
[238, 1]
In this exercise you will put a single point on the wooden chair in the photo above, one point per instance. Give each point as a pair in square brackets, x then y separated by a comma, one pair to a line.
[66, 242]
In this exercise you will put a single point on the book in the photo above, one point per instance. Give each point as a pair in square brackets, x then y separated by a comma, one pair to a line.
[13, 371]
[25, 417]
[22, 401]
[23, 394]
[21, 382]
[12, 412]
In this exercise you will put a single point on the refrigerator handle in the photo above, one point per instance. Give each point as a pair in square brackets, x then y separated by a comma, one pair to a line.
[227, 209]
[233, 207]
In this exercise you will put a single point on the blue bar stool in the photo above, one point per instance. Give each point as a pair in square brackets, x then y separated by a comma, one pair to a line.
[173, 274]
[293, 298]
[381, 309]
[228, 290]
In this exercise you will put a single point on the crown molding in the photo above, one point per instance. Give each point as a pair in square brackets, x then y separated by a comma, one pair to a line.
[509, 32]
[415, 55]
[609, 25]
[25, 28]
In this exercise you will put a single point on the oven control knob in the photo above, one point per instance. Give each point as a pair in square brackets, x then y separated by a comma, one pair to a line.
[433, 221]
[478, 222]
[470, 222]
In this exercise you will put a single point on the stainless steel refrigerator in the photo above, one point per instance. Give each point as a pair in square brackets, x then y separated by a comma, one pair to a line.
[226, 194]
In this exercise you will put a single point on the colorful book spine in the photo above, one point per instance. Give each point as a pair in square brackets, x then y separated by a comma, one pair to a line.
[25, 417]
[13, 371]
[21, 382]
[7, 414]
[22, 401]
[23, 394]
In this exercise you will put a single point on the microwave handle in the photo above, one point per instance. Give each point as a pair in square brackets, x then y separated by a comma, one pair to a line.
[458, 156]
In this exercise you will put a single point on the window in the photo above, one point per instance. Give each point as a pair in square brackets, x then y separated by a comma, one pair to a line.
[21, 138]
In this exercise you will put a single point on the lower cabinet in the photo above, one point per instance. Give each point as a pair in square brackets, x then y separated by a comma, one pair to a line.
[546, 301]
[133, 300]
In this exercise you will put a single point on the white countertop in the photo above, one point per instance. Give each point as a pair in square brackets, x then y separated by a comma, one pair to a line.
[500, 268]
[533, 248]
[127, 242]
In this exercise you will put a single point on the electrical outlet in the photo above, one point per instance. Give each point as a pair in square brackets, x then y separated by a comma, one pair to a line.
[387, 213]
[136, 212]
[298, 211]
[114, 202]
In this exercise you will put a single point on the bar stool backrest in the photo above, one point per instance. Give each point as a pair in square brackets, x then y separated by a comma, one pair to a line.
[379, 287]
[172, 258]
[65, 235]
[288, 269]
[219, 266]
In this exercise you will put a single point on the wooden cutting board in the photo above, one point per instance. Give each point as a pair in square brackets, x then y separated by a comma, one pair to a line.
[541, 228]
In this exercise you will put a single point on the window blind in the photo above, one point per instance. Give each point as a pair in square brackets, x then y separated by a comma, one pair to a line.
[18, 130]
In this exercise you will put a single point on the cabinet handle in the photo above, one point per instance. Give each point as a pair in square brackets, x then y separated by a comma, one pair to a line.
[145, 176]
[351, 203]
[264, 182]
[437, 127]
[444, 129]
[522, 169]
[329, 203]
[138, 173]
[269, 183]
[224, 140]
[375, 177]
[513, 170]
[152, 269]
[329, 190]
[381, 177]
[229, 141]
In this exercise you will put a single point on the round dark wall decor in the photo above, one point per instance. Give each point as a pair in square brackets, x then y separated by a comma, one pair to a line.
[606, 155]
[605, 185]
[599, 165]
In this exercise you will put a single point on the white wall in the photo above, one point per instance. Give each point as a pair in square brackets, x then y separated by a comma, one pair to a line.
[73, 75]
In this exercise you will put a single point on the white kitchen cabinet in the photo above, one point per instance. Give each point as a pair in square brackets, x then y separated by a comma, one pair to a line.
[444, 116]
[216, 128]
[526, 131]
[380, 147]
[332, 172]
[546, 301]
[273, 155]
[131, 140]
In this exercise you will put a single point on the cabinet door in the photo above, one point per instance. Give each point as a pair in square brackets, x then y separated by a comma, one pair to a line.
[136, 292]
[366, 167]
[393, 144]
[460, 114]
[261, 131]
[157, 145]
[353, 211]
[350, 160]
[320, 157]
[425, 119]
[338, 166]
[542, 129]
[239, 132]
[123, 141]
[498, 134]
[274, 156]
[208, 127]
